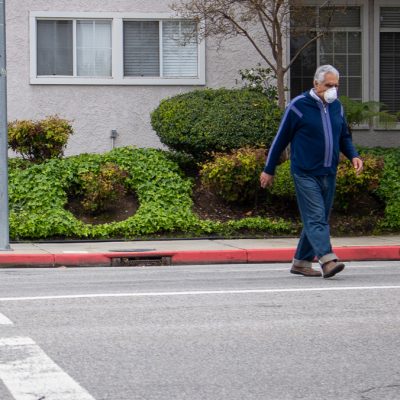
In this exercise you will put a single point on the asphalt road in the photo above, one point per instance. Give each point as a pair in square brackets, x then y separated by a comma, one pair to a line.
[232, 332]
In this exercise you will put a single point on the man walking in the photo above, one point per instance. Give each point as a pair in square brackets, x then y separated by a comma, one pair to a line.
[315, 126]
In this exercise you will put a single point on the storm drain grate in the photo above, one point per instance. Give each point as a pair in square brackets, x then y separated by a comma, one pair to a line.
[141, 261]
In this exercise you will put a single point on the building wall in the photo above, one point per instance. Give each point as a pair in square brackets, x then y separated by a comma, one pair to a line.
[95, 110]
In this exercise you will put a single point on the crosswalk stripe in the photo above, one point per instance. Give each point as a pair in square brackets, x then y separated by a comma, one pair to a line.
[29, 374]
[4, 320]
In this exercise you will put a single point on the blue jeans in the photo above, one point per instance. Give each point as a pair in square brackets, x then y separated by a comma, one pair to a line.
[315, 196]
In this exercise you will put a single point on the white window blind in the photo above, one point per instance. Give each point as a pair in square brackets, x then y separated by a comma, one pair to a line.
[54, 47]
[93, 44]
[179, 49]
[141, 48]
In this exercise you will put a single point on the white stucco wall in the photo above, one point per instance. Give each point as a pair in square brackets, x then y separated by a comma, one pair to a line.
[95, 110]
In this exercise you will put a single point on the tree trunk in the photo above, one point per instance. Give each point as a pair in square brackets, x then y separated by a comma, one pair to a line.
[280, 83]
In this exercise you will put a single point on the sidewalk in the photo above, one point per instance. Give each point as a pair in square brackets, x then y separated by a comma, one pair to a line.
[175, 252]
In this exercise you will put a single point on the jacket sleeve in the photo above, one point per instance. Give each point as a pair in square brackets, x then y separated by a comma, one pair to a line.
[346, 143]
[282, 139]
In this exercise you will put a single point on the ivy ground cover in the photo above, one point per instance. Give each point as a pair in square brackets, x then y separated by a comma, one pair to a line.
[39, 194]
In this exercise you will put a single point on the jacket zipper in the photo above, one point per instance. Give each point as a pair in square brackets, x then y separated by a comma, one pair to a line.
[327, 134]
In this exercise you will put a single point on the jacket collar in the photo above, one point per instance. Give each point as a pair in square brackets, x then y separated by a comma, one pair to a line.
[315, 96]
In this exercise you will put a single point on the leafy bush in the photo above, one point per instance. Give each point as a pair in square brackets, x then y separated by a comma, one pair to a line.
[100, 189]
[234, 176]
[39, 140]
[389, 190]
[351, 186]
[283, 182]
[205, 121]
[260, 79]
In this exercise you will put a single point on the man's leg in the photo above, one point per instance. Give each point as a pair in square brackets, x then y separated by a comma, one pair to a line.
[302, 262]
[304, 251]
[328, 183]
[314, 199]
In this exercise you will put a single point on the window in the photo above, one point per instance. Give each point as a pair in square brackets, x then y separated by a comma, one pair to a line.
[389, 60]
[55, 50]
[341, 46]
[142, 45]
[115, 48]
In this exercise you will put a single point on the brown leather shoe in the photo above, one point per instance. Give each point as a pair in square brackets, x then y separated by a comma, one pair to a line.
[305, 271]
[332, 268]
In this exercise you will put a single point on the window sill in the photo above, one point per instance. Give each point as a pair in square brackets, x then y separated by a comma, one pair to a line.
[115, 81]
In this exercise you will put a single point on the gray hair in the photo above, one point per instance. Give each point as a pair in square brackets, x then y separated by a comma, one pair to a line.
[323, 70]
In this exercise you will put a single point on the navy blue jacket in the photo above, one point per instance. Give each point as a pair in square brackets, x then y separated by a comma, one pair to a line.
[317, 134]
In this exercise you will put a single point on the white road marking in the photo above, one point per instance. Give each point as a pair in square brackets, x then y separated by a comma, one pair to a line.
[75, 252]
[30, 374]
[198, 293]
[4, 320]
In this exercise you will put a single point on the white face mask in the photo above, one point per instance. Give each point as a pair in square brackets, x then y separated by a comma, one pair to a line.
[330, 95]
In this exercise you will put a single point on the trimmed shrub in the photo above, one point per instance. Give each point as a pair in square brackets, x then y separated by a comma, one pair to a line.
[205, 121]
[235, 176]
[38, 141]
[350, 186]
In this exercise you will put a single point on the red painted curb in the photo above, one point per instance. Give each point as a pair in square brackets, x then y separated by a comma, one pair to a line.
[210, 257]
[270, 255]
[26, 260]
[368, 253]
[81, 259]
[353, 253]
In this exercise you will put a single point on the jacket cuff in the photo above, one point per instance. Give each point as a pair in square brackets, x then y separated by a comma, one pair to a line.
[269, 170]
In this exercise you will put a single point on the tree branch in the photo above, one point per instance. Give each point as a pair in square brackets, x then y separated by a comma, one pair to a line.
[252, 41]
[270, 40]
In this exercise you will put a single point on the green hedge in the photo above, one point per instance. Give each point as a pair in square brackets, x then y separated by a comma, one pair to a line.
[205, 121]
[39, 194]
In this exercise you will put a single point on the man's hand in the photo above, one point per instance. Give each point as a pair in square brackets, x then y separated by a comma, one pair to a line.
[357, 164]
[266, 180]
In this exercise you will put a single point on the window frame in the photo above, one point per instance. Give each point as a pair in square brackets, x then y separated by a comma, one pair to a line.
[365, 71]
[117, 65]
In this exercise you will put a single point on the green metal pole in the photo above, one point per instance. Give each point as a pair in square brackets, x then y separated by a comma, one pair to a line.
[4, 222]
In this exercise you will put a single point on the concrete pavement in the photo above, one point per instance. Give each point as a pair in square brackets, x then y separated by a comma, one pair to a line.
[202, 251]
[215, 332]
